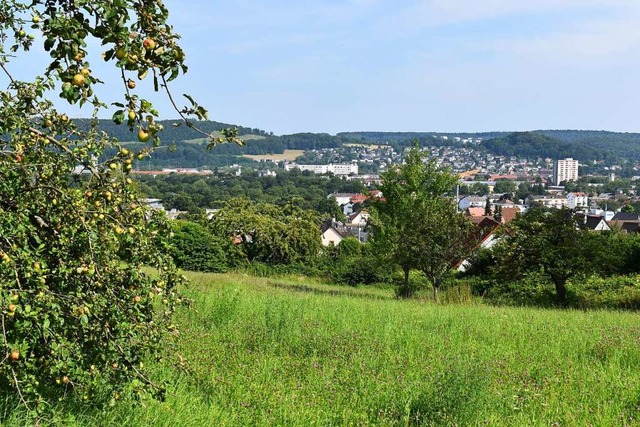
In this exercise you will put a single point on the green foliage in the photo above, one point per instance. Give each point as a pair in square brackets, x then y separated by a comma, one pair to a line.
[547, 242]
[78, 321]
[504, 186]
[269, 233]
[535, 145]
[349, 248]
[364, 269]
[310, 191]
[194, 248]
[417, 226]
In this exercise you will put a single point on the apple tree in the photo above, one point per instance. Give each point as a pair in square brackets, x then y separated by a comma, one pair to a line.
[416, 226]
[79, 316]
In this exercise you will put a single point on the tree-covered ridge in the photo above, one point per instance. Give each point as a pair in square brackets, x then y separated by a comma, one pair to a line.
[533, 145]
[614, 145]
[376, 137]
[257, 141]
[584, 145]
[173, 131]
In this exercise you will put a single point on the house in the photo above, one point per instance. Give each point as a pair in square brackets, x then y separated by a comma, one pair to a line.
[475, 212]
[596, 223]
[626, 217]
[508, 214]
[347, 208]
[472, 202]
[548, 201]
[357, 223]
[484, 224]
[577, 200]
[375, 194]
[358, 198]
[626, 222]
[488, 237]
[153, 203]
[341, 198]
[334, 232]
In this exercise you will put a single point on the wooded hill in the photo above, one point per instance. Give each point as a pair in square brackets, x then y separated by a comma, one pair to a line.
[611, 147]
[579, 144]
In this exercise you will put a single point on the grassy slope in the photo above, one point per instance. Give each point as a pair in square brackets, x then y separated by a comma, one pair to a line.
[265, 352]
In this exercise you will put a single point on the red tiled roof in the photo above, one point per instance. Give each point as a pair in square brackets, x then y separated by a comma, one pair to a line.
[476, 212]
[359, 198]
[509, 214]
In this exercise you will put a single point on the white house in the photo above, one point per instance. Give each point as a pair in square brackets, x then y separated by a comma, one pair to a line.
[338, 169]
[472, 202]
[549, 201]
[359, 219]
[577, 200]
[596, 223]
[341, 198]
[489, 241]
[356, 223]
[333, 233]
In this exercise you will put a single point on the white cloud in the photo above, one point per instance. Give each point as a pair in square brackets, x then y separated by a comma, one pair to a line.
[443, 12]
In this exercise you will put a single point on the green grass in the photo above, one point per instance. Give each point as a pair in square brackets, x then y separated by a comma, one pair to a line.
[294, 352]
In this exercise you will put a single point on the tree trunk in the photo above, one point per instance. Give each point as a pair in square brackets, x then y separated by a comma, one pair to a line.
[561, 290]
[436, 288]
[405, 292]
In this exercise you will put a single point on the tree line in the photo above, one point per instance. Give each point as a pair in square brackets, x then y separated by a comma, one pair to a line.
[196, 193]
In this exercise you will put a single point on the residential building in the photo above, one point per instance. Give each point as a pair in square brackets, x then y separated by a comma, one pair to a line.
[339, 169]
[333, 233]
[577, 200]
[565, 170]
[472, 202]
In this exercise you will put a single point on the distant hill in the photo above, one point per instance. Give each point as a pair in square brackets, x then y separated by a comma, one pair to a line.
[579, 144]
[190, 146]
[533, 145]
[171, 133]
[391, 137]
[582, 145]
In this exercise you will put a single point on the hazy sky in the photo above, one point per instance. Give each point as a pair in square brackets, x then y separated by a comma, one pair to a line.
[413, 65]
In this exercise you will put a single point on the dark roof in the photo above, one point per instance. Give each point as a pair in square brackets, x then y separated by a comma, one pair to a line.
[338, 227]
[483, 221]
[624, 216]
[593, 221]
[630, 227]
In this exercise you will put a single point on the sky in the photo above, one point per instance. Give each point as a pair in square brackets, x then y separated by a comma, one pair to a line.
[412, 65]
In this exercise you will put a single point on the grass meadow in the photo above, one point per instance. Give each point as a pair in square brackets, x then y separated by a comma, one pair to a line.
[292, 352]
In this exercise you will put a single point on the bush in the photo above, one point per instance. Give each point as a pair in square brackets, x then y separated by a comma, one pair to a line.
[481, 263]
[618, 292]
[417, 283]
[533, 289]
[194, 248]
[359, 270]
[349, 247]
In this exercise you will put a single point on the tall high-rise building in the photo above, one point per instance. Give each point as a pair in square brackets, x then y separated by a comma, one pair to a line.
[565, 170]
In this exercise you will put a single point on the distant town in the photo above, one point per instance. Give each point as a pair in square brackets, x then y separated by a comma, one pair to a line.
[486, 180]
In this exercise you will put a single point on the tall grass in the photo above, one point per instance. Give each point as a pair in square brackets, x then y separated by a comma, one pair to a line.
[265, 352]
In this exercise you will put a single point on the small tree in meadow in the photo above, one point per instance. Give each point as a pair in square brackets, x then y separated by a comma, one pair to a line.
[548, 242]
[417, 226]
